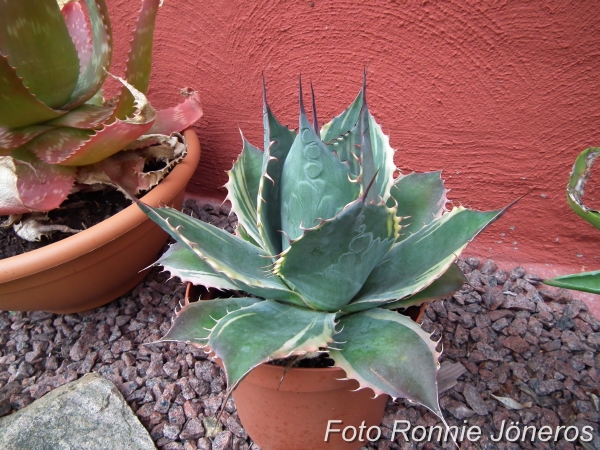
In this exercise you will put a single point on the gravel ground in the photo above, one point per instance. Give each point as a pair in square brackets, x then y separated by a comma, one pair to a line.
[532, 344]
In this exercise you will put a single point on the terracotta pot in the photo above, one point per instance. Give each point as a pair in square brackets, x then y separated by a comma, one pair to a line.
[99, 264]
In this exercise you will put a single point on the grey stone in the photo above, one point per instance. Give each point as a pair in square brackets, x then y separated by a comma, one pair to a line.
[80, 415]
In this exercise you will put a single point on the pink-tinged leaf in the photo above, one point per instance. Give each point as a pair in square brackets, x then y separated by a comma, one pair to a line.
[179, 117]
[20, 107]
[28, 184]
[35, 38]
[80, 33]
[139, 58]
[58, 144]
[91, 80]
[12, 138]
[85, 116]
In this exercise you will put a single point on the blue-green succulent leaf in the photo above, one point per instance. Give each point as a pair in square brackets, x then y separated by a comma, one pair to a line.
[267, 330]
[576, 187]
[416, 262]
[421, 198]
[242, 187]
[330, 262]
[195, 320]
[585, 282]
[451, 281]
[389, 353]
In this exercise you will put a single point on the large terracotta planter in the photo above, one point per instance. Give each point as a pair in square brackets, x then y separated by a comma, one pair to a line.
[295, 414]
[99, 264]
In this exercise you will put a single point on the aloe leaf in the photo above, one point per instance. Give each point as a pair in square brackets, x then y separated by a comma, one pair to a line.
[242, 187]
[451, 281]
[79, 32]
[181, 262]
[12, 138]
[329, 263]
[416, 262]
[390, 354]
[234, 258]
[315, 184]
[20, 108]
[179, 117]
[139, 58]
[195, 320]
[84, 117]
[267, 330]
[50, 70]
[28, 184]
[585, 282]
[92, 79]
[576, 187]
[421, 198]
[278, 140]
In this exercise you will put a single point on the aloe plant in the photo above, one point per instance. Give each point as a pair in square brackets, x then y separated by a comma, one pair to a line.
[586, 281]
[328, 245]
[53, 120]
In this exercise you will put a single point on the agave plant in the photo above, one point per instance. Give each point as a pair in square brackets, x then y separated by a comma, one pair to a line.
[52, 120]
[582, 169]
[328, 245]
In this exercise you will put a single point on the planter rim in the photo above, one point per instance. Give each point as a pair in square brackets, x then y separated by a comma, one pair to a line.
[88, 240]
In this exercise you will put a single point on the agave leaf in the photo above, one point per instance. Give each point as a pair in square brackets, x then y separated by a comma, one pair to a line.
[329, 263]
[267, 330]
[242, 187]
[576, 187]
[179, 117]
[73, 147]
[28, 184]
[50, 71]
[585, 282]
[195, 320]
[242, 233]
[451, 281]
[315, 184]
[228, 255]
[278, 140]
[340, 126]
[92, 79]
[181, 262]
[79, 32]
[390, 354]
[416, 262]
[139, 58]
[84, 117]
[12, 138]
[20, 107]
[421, 198]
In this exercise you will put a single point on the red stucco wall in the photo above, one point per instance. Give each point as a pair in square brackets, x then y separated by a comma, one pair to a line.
[500, 95]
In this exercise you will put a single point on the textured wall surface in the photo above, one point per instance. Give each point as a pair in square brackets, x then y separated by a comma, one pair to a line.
[500, 95]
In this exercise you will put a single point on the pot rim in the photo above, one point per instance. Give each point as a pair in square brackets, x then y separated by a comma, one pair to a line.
[27, 264]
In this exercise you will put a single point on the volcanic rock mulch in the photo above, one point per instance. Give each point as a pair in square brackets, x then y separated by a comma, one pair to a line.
[535, 345]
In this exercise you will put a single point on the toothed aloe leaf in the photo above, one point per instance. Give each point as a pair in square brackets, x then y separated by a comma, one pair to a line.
[421, 198]
[451, 281]
[12, 138]
[195, 320]
[267, 330]
[235, 258]
[576, 187]
[181, 262]
[416, 262]
[91, 80]
[50, 70]
[28, 184]
[244, 178]
[85, 116]
[179, 117]
[20, 108]
[390, 354]
[585, 282]
[314, 184]
[79, 32]
[342, 253]
[278, 140]
[139, 58]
